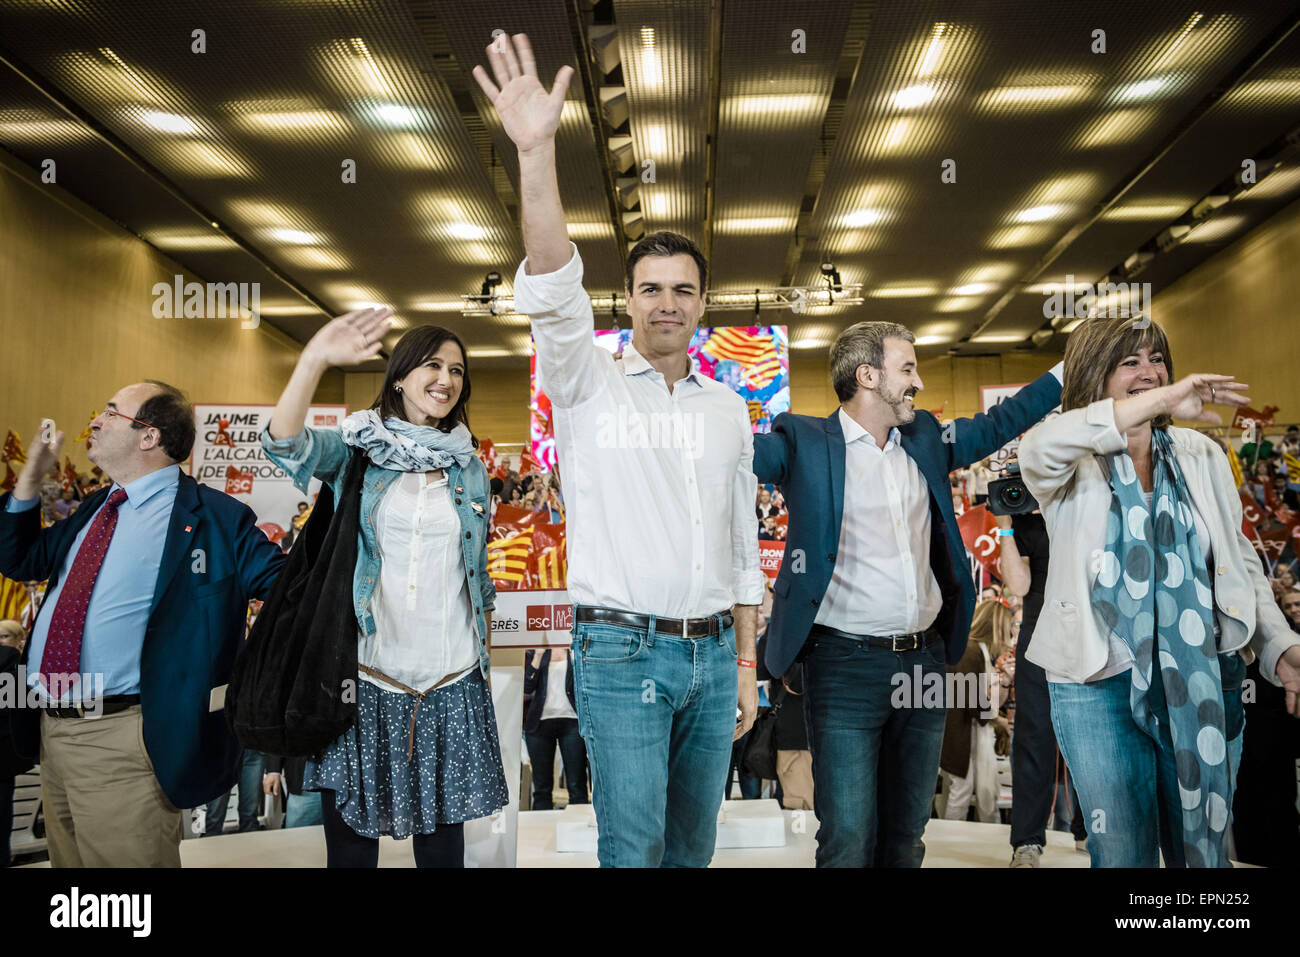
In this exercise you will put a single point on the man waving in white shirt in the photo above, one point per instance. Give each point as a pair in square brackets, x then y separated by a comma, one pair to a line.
[664, 621]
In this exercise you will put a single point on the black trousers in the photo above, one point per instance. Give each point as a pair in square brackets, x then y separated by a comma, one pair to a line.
[1265, 826]
[541, 755]
[1033, 756]
[344, 847]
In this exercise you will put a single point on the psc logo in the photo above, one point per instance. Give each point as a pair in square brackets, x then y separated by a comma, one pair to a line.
[549, 618]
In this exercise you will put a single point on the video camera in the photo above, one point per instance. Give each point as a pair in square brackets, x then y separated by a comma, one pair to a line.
[1009, 495]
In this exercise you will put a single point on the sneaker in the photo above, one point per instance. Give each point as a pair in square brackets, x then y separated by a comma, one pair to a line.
[1026, 855]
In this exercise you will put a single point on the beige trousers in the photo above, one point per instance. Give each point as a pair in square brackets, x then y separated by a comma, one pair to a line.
[103, 805]
[794, 768]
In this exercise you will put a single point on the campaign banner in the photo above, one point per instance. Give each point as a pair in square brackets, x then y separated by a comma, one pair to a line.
[532, 619]
[990, 396]
[228, 456]
[770, 553]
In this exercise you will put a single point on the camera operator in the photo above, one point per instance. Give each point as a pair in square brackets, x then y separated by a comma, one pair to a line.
[1022, 536]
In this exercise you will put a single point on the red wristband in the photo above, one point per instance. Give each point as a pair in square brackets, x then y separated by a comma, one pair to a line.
[746, 664]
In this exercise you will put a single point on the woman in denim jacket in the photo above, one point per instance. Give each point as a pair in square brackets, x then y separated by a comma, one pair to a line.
[423, 757]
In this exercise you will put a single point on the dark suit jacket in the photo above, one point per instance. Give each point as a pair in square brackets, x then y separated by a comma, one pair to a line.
[535, 680]
[805, 456]
[195, 629]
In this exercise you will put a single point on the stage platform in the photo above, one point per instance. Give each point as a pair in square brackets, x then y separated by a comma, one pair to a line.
[948, 844]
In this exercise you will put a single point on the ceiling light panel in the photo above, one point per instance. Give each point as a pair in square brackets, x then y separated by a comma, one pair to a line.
[580, 169]
[665, 57]
[771, 113]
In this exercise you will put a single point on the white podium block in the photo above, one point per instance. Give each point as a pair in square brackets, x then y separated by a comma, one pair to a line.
[751, 824]
[740, 824]
[575, 830]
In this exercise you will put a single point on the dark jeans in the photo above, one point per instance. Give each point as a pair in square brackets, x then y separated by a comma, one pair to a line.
[344, 847]
[6, 815]
[875, 752]
[250, 797]
[750, 787]
[550, 733]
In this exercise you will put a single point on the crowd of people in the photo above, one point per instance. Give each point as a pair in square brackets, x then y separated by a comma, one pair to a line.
[1144, 609]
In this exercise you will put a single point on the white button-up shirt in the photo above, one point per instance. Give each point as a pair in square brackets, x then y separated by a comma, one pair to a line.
[659, 486]
[424, 619]
[882, 583]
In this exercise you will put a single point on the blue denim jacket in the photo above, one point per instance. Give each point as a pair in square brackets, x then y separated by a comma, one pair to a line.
[322, 454]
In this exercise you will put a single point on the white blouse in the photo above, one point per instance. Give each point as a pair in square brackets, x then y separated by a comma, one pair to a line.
[557, 704]
[424, 619]
[1120, 658]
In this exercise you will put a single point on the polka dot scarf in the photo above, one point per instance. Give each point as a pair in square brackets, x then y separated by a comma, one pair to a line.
[1153, 591]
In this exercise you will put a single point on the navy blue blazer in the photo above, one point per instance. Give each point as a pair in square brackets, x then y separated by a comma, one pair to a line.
[805, 456]
[195, 629]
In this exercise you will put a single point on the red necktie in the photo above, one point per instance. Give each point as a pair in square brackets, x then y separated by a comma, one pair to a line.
[61, 659]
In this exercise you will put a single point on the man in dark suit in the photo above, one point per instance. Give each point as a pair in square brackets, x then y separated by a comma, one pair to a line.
[875, 595]
[132, 649]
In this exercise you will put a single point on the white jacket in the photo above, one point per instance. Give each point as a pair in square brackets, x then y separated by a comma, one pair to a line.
[1061, 465]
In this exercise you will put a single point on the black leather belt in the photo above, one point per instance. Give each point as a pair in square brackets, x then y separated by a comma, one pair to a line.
[909, 642]
[109, 704]
[694, 627]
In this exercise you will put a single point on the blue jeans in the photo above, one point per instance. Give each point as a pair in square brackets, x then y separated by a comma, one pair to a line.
[1127, 782]
[658, 713]
[303, 810]
[250, 798]
[874, 765]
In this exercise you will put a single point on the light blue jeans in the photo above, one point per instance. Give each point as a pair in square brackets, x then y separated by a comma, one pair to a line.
[303, 810]
[658, 713]
[1127, 782]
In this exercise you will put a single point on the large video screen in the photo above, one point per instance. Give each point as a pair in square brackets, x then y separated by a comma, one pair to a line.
[753, 361]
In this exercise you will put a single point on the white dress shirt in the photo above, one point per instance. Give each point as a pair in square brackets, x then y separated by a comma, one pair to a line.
[882, 583]
[557, 704]
[659, 486]
[424, 620]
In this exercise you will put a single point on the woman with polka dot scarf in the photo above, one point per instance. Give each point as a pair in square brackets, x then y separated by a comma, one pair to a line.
[1155, 601]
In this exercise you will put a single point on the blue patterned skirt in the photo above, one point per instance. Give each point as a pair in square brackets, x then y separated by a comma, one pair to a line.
[454, 774]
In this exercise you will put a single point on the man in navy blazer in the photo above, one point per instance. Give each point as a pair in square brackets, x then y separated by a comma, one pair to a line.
[875, 592]
[149, 583]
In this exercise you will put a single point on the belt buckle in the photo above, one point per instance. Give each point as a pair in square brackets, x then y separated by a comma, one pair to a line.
[893, 644]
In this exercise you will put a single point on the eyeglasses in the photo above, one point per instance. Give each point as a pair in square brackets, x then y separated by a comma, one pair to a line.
[122, 415]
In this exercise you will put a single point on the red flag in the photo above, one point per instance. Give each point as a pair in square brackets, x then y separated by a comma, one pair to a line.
[1242, 418]
[10, 479]
[1251, 514]
[237, 482]
[527, 464]
[979, 533]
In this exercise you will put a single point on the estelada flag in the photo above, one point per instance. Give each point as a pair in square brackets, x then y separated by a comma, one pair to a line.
[238, 482]
[69, 477]
[13, 449]
[1292, 467]
[10, 479]
[1238, 479]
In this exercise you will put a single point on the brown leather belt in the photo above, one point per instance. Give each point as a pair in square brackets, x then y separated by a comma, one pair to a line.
[419, 696]
[694, 627]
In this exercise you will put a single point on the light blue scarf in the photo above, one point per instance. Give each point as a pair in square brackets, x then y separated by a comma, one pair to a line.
[403, 447]
[1153, 590]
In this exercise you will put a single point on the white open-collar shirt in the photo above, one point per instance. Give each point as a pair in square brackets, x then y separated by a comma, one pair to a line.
[659, 486]
[882, 583]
